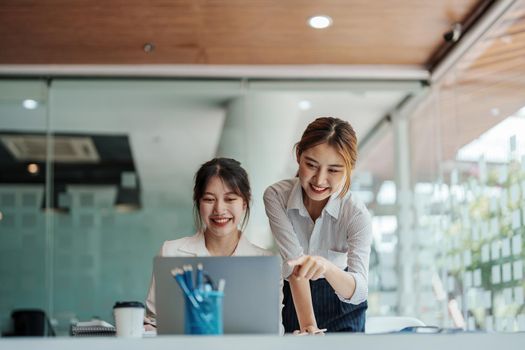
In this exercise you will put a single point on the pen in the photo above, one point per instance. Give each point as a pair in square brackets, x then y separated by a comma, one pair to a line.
[178, 274]
[199, 282]
[222, 283]
[188, 273]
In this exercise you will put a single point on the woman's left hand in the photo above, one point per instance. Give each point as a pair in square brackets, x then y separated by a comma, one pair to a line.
[311, 267]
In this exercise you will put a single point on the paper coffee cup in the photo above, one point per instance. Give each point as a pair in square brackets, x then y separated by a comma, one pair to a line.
[129, 318]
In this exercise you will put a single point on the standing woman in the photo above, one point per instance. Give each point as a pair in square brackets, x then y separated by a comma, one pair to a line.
[323, 233]
[221, 198]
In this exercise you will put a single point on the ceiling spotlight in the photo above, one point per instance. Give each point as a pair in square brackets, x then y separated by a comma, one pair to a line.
[32, 168]
[320, 22]
[305, 105]
[30, 104]
[454, 33]
[148, 47]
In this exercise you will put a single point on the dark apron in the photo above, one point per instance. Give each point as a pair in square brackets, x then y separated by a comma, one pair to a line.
[330, 312]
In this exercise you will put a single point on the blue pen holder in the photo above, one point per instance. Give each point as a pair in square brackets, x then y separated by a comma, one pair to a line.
[207, 319]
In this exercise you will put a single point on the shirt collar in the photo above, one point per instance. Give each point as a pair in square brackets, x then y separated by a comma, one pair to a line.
[295, 201]
[244, 247]
[334, 205]
[196, 245]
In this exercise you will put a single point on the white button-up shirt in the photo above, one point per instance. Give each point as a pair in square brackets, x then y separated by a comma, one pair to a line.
[342, 234]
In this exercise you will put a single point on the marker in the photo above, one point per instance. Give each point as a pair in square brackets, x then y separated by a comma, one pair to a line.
[178, 274]
[220, 287]
[199, 282]
[188, 273]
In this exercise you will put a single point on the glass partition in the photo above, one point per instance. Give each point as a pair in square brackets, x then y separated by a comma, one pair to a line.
[113, 176]
[374, 183]
[468, 172]
[24, 234]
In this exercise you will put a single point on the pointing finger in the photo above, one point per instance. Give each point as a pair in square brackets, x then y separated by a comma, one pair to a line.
[299, 261]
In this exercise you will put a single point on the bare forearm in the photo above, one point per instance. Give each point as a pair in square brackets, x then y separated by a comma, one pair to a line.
[302, 299]
[342, 282]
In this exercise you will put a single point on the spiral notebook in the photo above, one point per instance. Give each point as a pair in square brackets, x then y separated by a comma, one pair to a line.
[95, 328]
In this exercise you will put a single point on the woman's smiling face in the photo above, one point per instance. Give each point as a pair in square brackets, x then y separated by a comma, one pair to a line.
[221, 209]
[321, 171]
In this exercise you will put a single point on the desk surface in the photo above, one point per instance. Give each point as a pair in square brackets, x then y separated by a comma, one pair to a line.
[466, 341]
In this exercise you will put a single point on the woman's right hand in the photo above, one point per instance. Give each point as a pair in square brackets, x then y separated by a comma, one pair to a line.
[310, 330]
[310, 267]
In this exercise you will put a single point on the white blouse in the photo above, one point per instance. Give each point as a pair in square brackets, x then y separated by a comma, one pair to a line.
[342, 234]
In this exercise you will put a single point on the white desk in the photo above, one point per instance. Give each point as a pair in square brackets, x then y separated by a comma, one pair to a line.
[493, 341]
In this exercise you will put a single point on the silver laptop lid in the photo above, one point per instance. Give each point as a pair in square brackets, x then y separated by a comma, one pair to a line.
[251, 296]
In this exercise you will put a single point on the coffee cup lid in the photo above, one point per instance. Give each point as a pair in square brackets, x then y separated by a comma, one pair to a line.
[120, 304]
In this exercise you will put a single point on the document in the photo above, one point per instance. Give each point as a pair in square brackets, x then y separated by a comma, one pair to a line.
[518, 295]
[494, 227]
[505, 247]
[467, 277]
[516, 244]
[487, 298]
[518, 270]
[496, 274]
[477, 278]
[514, 193]
[485, 253]
[516, 220]
[467, 258]
[506, 272]
[507, 296]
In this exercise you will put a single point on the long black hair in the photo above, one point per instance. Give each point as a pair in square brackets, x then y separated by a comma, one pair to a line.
[232, 173]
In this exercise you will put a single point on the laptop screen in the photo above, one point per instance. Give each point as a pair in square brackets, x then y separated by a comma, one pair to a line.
[251, 293]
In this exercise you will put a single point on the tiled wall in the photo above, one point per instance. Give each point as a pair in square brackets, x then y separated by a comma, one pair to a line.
[99, 256]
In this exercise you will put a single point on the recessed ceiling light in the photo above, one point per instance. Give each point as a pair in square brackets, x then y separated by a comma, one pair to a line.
[32, 168]
[305, 105]
[30, 104]
[320, 22]
[494, 111]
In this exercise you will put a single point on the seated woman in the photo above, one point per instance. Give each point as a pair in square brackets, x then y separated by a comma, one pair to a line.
[221, 198]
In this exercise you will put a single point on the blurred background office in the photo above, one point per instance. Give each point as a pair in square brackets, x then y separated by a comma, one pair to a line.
[107, 109]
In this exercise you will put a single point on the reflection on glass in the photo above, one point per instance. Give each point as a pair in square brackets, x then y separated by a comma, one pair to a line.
[469, 188]
[23, 255]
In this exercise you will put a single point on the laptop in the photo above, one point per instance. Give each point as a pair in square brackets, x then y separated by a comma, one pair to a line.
[251, 293]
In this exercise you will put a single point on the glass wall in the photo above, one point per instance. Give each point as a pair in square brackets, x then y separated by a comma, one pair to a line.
[468, 172]
[96, 174]
[374, 183]
[24, 260]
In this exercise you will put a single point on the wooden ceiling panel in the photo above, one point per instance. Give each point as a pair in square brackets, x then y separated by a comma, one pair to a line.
[485, 87]
[225, 32]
